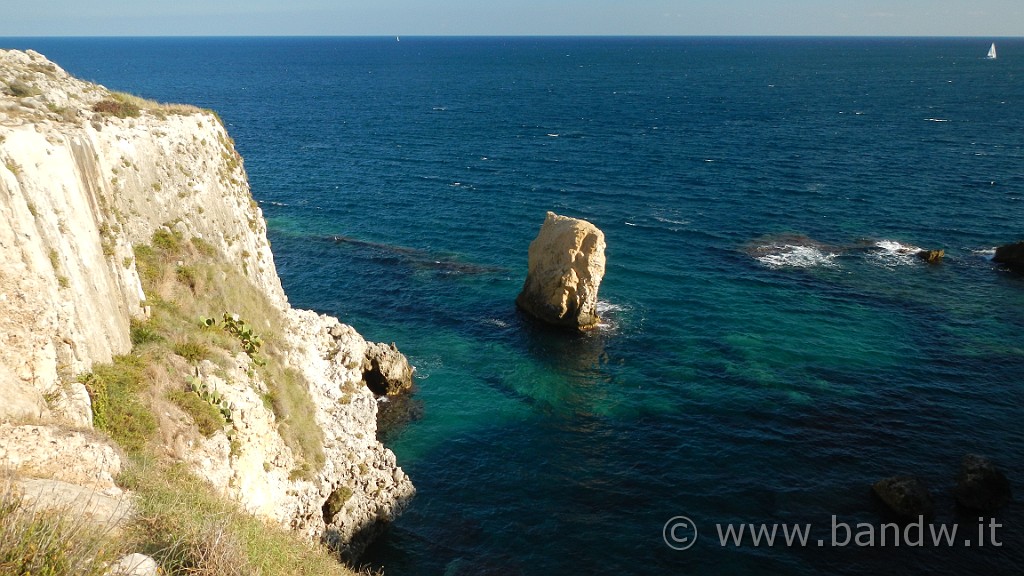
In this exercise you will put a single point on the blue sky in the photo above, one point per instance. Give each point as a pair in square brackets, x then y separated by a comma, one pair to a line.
[988, 18]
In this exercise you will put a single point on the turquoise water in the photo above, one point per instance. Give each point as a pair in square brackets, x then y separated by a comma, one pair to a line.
[768, 351]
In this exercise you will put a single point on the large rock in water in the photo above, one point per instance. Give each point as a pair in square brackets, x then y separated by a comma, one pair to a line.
[566, 265]
[906, 496]
[980, 486]
[1011, 254]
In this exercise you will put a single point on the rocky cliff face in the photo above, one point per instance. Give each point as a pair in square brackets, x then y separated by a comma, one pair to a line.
[565, 268]
[85, 177]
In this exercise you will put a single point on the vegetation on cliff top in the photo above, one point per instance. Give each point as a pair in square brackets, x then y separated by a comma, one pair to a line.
[125, 105]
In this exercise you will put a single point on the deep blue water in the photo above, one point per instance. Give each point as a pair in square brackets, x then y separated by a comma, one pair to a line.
[724, 387]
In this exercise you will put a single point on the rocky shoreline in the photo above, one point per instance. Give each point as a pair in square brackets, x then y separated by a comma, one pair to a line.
[87, 176]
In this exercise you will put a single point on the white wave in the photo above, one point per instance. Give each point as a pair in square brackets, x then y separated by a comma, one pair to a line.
[790, 256]
[603, 307]
[496, 322]
[610, 315]
[670, 221]
[986, 253]
[552, 134]
[892, 253]
[936, 120]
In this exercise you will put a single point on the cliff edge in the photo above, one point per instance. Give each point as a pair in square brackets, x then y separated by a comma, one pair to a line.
[133, 247]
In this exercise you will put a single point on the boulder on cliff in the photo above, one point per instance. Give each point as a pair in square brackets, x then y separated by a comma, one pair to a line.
[906, 496]
[565, 268]
[980, 486]
[1011, 254]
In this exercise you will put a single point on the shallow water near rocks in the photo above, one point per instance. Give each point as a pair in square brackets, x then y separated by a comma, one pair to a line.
[723, 387]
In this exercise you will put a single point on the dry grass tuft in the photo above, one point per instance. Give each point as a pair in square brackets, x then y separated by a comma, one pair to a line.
[48, 542]
[184, 524]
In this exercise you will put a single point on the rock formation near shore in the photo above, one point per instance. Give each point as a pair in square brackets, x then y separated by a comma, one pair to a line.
[565, 269]
[1010, 254]
[906, 496]
[86, 177]
[980, 486]
[932, 256]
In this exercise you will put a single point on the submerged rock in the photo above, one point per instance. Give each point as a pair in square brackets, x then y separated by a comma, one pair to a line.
[1011, 254]
[980, 486]
[931, 256]
[906, 496]
[565, 268]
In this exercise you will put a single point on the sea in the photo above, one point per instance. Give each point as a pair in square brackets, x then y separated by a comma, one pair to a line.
[770, 344]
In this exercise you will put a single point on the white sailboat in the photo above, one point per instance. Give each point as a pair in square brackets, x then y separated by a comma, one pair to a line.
[992, 52]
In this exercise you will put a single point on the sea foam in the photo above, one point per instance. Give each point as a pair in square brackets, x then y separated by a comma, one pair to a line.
[891, 253]
[796, 256]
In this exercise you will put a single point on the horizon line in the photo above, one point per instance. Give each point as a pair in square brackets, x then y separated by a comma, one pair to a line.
[368, 36]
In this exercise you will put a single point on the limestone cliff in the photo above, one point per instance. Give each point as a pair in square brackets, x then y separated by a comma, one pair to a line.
[86, 177]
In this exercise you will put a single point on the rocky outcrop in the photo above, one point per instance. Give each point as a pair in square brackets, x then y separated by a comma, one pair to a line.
[71, 456]
[69, 470]
[386, 371]
[931, 256]
[1011, 254]
[980, 486]
[905, 496]
[565, 268]
[86, 176]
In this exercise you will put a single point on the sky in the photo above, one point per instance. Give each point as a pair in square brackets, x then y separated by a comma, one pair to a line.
[986, 18]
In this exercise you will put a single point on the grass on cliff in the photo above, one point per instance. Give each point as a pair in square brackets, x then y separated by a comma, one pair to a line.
[49, 542]
[190, 530]
[188, 279]
[185, 280]
[124, 105]
[180, 521]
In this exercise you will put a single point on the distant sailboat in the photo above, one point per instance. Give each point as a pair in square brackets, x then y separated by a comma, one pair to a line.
[992, 52]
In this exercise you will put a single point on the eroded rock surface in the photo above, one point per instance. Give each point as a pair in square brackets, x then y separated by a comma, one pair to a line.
[565, 269]
[80, 189]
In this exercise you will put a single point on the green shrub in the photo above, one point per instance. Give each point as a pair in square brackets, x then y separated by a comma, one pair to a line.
[117, 408]
[206, 417]
[113, 107]
[192, 351]
[204, 247]
[143, 333]
[167, 241]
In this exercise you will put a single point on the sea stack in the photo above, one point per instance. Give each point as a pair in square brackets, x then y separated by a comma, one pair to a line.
[565, 268]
